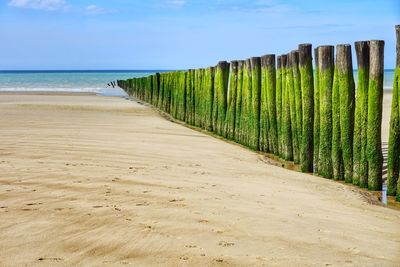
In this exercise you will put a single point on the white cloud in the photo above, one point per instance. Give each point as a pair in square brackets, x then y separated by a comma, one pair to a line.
[39, 4]
[176, 3]
[95, 10]
[169, 3]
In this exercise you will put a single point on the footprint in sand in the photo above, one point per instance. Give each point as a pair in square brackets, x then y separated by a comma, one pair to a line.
[226, 244]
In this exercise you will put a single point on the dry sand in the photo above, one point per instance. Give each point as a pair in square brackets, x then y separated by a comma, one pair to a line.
[90, 180]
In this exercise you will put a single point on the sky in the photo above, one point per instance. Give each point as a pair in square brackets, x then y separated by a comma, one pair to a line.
[181, 34]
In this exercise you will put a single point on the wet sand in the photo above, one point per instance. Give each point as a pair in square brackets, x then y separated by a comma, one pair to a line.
[90, 180]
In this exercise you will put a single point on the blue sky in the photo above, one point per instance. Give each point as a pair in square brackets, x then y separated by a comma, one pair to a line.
[180, 34]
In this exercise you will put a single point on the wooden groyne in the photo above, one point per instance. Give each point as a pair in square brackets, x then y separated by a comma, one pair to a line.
[281, 105]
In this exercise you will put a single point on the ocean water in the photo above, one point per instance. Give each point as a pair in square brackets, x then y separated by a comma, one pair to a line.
[67, 81]
[90, 81]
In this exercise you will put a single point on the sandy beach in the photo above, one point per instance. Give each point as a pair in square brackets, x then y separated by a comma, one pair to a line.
[89, 180]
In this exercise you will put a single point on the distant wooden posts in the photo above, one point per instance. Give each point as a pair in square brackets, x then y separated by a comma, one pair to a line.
[307, 107]
[375, 98]
[360, 162]
[326, 72]
[393, 182]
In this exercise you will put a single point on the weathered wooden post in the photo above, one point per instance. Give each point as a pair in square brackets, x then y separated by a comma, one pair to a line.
[298, 101]
[317, 108]
[360, 162]
[189, 97]
[156, 89]
[307, 98]
[220, 96]
[268, 62]
[326, 71]
[337, 158]
[197, 93]
[375, 98]
[264, 116]
[255, 102]
[246, 103]
[232, 92]
[287, 81]
[208, 98]
[393, 183]
[294, 86]
[347, 107]
[238, 125]
[279, 106]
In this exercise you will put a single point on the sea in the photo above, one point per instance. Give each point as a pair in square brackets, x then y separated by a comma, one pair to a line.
[91, 81]
[98, 82]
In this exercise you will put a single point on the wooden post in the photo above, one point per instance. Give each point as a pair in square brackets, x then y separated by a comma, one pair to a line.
[347, 107]
[307, 98]
[394, 135]
[326, 71]
[268, 62]
[220, 97]
[375, 98]
[317, 107]
[360, 161]
[246, 103]
[264, 116]
[208, 98]
[238, 125]
[337, 158]
[287, 80]
[156, 89]
[279, 106]
[294, 87]
[231, 110]
[255, 102]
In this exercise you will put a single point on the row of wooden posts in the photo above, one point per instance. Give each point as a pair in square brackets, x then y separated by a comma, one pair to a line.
[281, 105]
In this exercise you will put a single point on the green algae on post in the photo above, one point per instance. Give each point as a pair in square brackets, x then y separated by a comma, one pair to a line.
[375, 98]
[255, 102]
[246, 103]
[231, 110]
[317, 119]
[307, 98]
[287, 81]
[337, 159]
[208, 98]
[268, 62]
[279, 106]
[264, 116]
[220, 97]
[326, 71]
[344, 65]
[238, 125]
[360, 162]
[294, 87]
[393, 182]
